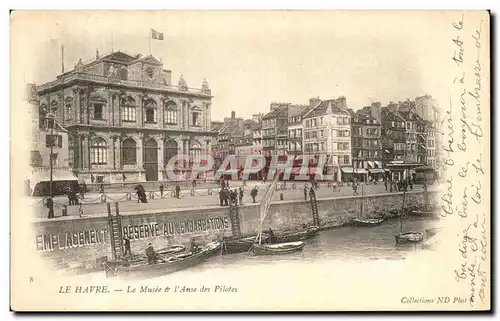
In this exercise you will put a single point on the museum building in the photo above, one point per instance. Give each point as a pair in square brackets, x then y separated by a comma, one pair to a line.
[125, 118]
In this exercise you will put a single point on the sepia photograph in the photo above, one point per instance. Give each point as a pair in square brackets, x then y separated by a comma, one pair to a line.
[250, 161]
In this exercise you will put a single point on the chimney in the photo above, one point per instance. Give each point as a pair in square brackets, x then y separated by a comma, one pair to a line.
[233, 115]
[342, 102]
[314, 101]
[376, 111]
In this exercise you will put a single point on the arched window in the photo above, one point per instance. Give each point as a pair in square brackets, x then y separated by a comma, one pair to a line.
[150, 108]
[98, 151]
[129, 151]
[195, 152]
[128, 109]
[171, 113]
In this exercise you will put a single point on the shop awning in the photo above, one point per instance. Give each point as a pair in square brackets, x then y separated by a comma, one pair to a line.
[57, 175]
[350, 170]
[376, 170]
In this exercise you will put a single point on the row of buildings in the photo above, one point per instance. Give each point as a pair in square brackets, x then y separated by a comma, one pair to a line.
[362, 144]
[119, 118]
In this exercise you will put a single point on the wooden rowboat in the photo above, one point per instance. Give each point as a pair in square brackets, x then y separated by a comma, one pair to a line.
[171, 250]
[367, 221]
[164, 266]
[279, 248]
[239, 245]
[298, 236]
[409, 237]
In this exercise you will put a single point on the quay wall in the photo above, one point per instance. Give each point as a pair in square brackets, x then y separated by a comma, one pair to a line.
[78, 242]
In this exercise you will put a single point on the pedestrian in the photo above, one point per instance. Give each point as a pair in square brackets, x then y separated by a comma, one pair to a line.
[226, 196]
[151, 254]
[221, 197]
[253, 193]
[234, 197]
[355, 189]
[101, 189]
[385, 184]
[334, 186]
[241, 195]
[83, 189]
[305, 192]
[177, 191]
[161, 190]
[80, 210]
[126, 245]
[50, 205]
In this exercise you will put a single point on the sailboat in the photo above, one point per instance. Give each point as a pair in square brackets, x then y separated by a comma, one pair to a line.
[407, 237]
[366, 221]
[278, 248]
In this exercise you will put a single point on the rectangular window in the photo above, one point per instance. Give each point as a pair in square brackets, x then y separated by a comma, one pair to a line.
[98, 111]
[322, 133]
[129, 114]
[171, 117]
[195, 119]
[346, 159]
[54, 140]
[150, 115]
[55, 159]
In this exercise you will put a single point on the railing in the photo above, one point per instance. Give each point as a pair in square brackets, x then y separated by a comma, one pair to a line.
[111, 80]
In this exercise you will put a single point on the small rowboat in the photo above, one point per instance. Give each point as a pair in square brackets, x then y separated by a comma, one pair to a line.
[367, 221]
[298, 236]
[239, 245]
[409, 237]
[171, 250]
[279, 248]
[164, 266]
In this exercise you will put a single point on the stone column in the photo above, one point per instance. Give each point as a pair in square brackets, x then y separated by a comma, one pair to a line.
[140, 152]
[85, 152]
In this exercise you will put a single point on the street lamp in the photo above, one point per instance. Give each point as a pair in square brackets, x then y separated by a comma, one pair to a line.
[51, 123]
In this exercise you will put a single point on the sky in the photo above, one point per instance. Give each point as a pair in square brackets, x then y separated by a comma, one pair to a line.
[251, 59]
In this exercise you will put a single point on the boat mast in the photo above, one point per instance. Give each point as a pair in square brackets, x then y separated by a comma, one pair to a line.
[266, 203]
[362, 197]
[403, 210]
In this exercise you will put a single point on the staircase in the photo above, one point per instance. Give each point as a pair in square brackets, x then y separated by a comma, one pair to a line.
[235, 220]
[314, 207]
[115, 229]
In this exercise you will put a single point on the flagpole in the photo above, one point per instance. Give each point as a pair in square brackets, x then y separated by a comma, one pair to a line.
[62, 59]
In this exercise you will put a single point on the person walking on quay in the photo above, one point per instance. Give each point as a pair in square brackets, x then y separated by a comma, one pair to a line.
[241, 195]
[355, 189]
[226, 196]
[221, 197]
[305, 191]
[50, 205]
[253, 193]
[161, 190]
[385, 184]
[83, 189]
[101, 189]
[177, 191]
[126, 245]
[234, 197]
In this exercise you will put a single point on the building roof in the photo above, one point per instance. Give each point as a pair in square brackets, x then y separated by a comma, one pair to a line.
[276, 112]
[325, 106]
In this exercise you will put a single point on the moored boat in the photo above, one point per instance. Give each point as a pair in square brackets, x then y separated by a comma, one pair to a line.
[409, 237]
[367, 221]
[425, 213]
[279, 248]
[163, 266]
[171, 250]
[302, 235]
[233, 246]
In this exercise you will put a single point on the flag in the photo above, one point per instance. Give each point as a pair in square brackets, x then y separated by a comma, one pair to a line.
[156, 35]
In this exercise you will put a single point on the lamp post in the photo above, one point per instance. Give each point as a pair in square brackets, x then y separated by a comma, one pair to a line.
[51, 122]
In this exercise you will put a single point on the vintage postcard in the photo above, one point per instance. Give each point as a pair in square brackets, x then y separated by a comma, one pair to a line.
[250, 161]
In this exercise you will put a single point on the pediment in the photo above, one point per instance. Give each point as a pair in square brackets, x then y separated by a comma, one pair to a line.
[119, 57]
[195, 108]
[97, 98]
[151, 61]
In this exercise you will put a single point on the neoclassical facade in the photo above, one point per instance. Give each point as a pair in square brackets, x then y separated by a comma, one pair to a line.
[125, 118]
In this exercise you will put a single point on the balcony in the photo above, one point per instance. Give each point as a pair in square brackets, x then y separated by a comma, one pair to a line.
[80, 76]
